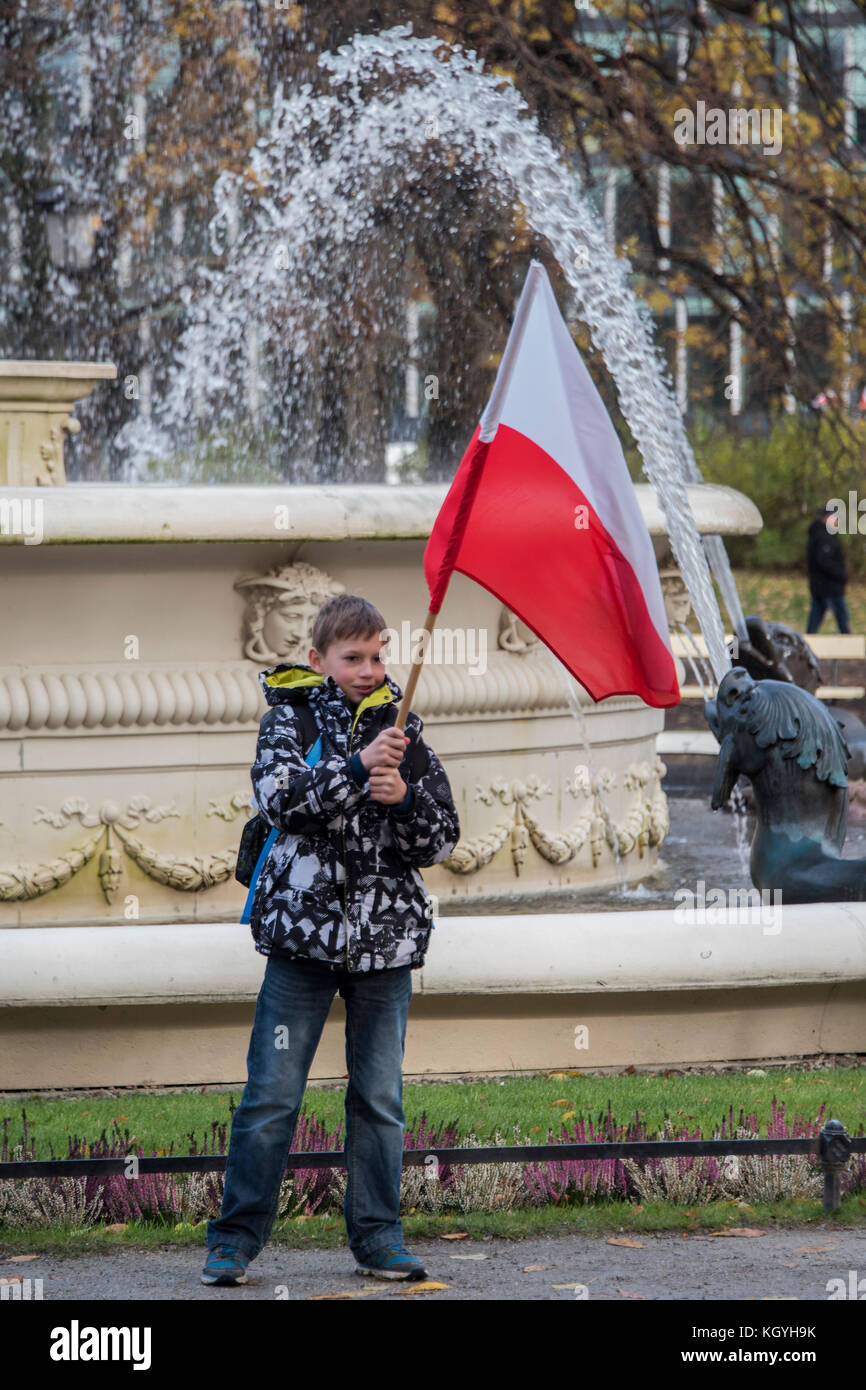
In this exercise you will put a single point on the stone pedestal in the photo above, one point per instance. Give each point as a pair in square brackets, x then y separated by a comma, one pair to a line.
[35, 401]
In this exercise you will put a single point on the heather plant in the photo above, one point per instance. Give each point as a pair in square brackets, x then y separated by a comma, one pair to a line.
[27, 1204]
[164, 1197]
[749, 1178]
[854, 1176]
[771, 1177]
[195, 1197]
[200, 1196]
[307, 1190]
[488, 1186]
[585, 1179]
[421, 1189]
[682, 1180]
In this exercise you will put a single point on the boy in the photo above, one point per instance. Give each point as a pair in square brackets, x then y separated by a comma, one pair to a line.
[339, 904]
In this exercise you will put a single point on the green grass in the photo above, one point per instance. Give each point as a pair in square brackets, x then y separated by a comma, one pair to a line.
[782, 596]
[329, 1232]
[478, 1107]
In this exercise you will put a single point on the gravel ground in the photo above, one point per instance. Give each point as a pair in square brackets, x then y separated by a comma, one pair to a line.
[778, 1265]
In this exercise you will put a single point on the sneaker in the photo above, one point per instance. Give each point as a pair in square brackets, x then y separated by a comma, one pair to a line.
[225, 1265]
[392, 1262]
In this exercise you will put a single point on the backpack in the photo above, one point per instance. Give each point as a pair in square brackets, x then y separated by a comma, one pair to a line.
[257, 835]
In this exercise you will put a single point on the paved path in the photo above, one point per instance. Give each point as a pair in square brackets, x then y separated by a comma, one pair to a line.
[778, 1265]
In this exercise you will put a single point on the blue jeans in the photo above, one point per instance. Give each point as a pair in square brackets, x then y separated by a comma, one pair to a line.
[293, 1004]
[838, 607]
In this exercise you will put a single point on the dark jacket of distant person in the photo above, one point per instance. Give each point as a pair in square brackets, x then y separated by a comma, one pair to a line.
[825, 561]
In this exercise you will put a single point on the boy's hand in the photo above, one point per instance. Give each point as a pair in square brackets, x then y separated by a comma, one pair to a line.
[386, 750]
[387, 785]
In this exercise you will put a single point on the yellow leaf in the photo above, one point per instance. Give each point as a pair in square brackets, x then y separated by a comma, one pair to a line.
[345, 1293]
[17, 1259]
[658, 301]
[428, 1287]
[625, 1240]
[568, 1115]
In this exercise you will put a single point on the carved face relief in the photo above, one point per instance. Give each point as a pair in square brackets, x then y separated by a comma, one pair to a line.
[288, 625]
[281, 609]
[676, 596]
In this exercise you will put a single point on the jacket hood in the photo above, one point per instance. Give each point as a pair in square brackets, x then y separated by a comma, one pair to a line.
[286, 684]
[289, 684]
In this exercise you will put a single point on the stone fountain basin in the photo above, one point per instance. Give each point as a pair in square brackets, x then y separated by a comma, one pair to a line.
[542, 953]
[130, 699]
[110, 512]
[118, 976]
[169, 1005]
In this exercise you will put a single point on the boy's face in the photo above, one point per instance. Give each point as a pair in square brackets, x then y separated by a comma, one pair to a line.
[355, 665]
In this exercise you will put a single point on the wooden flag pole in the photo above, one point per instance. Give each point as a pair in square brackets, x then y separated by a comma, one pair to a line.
[414, 673]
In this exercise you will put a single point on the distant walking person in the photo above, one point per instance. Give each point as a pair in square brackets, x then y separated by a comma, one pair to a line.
[827, 572]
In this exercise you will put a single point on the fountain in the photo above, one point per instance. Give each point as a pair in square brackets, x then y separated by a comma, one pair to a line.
[128, 768]
[335, 161]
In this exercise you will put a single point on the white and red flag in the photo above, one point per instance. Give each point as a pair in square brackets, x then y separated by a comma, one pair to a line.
[542, 512]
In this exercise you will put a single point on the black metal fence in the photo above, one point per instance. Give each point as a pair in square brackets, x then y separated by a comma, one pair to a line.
[833, 1147]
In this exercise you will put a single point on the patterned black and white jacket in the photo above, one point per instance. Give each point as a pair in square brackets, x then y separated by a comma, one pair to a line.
[341, 884]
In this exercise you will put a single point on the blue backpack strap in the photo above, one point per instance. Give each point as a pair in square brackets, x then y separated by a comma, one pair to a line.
[311, 758]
